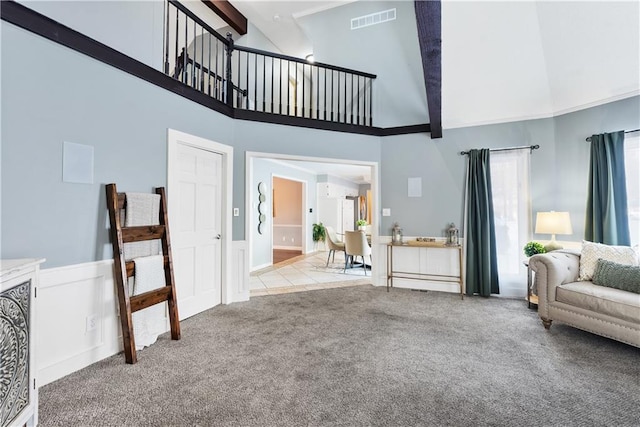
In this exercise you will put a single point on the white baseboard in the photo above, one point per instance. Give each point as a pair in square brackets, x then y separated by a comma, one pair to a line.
[261, 266]
[288, 248]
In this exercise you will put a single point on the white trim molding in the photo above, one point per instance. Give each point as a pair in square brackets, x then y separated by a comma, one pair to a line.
[459, 124]
[240, 271]
[375, 191]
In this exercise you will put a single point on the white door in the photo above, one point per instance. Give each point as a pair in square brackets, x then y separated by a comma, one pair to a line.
[196, 224]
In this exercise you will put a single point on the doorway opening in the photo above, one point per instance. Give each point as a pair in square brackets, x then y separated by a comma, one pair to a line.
[288, 218]
[327, 181]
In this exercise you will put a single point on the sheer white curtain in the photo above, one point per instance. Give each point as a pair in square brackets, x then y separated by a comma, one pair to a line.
[511, 204]
[632, 170]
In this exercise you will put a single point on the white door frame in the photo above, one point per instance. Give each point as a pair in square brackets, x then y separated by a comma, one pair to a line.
[174, 138]
[304, 206]
[375, 191]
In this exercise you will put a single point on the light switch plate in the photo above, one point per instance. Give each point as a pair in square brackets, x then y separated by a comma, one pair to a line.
[236, 212]
[386, 212]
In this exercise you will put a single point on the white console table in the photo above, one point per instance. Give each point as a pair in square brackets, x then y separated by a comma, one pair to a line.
[18, 388]
[421, 269]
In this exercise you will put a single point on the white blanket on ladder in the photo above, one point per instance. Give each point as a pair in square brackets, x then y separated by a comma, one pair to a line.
[149, 323]
[142, 209]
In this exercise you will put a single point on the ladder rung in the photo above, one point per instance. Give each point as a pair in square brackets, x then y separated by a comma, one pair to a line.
[147, 299]
[131, 267]
[142, 233]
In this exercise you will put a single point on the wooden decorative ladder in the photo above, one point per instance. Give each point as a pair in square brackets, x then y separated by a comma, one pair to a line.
[120, 235]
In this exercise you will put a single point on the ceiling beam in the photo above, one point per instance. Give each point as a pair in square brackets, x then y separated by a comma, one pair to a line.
[428, 18]
[229, 14]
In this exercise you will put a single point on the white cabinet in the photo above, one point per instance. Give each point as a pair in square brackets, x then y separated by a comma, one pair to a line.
[332, 190]
[330, 213]
[18, 388]
[348, 215]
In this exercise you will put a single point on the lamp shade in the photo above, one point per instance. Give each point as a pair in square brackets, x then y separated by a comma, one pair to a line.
[553, 223]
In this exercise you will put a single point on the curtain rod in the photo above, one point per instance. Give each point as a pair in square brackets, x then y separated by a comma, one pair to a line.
[626, 131]
[524, 147]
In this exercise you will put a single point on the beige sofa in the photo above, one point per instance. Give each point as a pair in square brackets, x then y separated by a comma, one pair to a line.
[609, 312]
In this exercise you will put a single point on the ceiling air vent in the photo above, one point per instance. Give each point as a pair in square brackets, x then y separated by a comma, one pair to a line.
[373, 19]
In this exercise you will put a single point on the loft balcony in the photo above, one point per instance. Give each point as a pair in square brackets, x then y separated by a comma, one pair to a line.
[255, 82]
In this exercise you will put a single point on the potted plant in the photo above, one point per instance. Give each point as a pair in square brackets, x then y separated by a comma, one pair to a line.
[362, 224]
[319, 233]
[533, 248]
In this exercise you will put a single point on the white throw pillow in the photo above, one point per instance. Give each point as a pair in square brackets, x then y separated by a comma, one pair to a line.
[591, 252]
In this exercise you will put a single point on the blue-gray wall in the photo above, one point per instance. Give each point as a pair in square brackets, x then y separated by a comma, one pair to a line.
[442, 169]
[125, 119]
[558, 169]
[390, 51]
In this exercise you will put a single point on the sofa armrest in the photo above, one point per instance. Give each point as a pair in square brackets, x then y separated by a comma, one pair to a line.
[553, 269]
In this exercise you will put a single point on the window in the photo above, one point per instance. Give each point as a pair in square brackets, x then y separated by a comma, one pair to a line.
[632, 170]
[512, 217]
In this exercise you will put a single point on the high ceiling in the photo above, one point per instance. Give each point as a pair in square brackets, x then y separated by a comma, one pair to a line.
[502, 60]
[278, 20]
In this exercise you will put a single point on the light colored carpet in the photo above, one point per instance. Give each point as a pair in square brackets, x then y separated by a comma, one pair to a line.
[360, 356]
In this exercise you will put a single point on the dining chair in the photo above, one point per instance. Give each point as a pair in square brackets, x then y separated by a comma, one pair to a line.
[356, 245]
[334, 244]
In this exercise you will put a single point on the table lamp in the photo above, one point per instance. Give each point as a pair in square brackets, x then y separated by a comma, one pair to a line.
[553, 223]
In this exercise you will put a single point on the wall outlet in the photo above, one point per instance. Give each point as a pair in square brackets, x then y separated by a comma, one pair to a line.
[92, 322]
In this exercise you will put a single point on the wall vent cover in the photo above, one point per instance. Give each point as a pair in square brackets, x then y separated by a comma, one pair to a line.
[373, 19]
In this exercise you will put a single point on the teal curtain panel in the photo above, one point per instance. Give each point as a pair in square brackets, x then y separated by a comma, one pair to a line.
[607, 218]
[482, 261]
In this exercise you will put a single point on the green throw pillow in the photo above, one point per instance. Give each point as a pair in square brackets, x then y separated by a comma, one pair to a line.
[620, 276]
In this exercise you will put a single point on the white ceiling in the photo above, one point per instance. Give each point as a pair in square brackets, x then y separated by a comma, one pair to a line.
[278, 20]
[354, 173]
[502, 60]
[205, 13]
[511, 61]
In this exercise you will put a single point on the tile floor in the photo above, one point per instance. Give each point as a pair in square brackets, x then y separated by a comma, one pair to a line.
[305, 273]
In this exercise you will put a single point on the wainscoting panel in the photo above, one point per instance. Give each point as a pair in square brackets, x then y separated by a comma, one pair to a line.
[287, 236]
[240, 271]
[78, 320]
